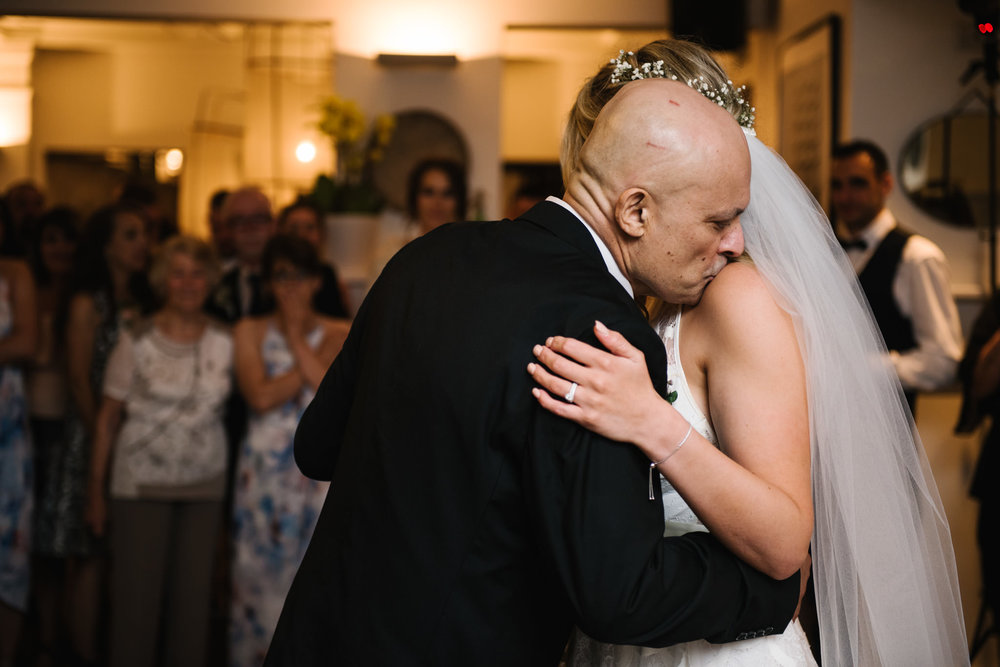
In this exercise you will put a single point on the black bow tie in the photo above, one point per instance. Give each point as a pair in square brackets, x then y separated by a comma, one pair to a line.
[856, 244]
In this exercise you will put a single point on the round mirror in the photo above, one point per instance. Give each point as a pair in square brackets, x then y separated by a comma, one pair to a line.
[943, 168]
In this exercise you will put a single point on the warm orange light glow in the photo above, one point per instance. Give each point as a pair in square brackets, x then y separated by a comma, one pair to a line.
[15, 116]
[305, 152]
[463, 28]
[174, 159]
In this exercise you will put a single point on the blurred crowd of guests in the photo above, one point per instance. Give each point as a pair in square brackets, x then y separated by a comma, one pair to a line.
[151, 512]
[150, 386]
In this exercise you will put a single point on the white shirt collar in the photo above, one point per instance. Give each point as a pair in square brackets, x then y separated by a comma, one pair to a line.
[872, 235]
[612, 265]
[876, 230]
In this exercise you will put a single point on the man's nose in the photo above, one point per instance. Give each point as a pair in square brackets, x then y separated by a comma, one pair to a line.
[732, 241]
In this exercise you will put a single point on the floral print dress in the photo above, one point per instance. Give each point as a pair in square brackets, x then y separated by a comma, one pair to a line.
[275, 511]
[16, 474]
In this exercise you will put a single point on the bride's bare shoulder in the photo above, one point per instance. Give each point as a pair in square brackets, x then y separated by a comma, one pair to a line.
[739, 285]
[736, 302]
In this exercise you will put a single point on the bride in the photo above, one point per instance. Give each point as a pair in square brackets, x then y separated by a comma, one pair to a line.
[781, 351]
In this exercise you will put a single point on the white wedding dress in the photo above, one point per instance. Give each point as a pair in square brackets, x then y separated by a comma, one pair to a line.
[789, 649]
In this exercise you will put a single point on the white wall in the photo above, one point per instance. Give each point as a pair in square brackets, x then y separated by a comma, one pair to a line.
[542, 74]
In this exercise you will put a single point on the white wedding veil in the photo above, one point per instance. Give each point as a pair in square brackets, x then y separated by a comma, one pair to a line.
[883, 564]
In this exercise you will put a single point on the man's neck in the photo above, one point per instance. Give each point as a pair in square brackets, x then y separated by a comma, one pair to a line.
[858, 230]
[607, 244]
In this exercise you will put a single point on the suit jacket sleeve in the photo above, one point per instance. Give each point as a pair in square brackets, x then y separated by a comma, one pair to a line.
[627, 583]
[323, 424]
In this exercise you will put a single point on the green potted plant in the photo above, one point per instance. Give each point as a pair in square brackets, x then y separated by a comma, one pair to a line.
[356, 148]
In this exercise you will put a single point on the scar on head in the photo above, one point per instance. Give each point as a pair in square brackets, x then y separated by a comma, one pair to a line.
[676, 104]
[652, 145]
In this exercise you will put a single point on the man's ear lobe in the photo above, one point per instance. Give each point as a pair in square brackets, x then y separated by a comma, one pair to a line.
[630, 212]
[887, 183]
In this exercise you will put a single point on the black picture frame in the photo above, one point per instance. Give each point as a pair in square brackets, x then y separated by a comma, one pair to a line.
[809, 94]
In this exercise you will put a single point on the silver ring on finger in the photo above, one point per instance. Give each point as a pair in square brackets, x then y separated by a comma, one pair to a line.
[571, 393]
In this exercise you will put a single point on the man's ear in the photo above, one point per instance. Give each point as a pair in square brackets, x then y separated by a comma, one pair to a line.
[886, 183]
[630, 211]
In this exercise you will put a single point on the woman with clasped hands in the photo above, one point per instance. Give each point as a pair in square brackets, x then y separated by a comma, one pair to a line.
[159, 433]
[280, 360]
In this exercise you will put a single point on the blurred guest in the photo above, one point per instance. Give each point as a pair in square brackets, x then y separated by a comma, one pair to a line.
[239, 293]
[159, 436]
[436, 194]
[143, 196]
[303, 219]
[51, 255]
[904, 275]
[222, 232]
[980, 375]
[280, 360]
[527, 195]
[8, 245]
[18, 335]
[23, 202]
[109, 288]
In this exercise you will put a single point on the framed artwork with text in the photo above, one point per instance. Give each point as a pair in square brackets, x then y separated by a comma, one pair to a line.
[809, 72]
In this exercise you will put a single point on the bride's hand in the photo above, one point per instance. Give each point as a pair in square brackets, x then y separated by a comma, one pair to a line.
[614, 395]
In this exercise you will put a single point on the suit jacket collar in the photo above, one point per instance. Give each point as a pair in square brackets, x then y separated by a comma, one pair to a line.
[563, 224]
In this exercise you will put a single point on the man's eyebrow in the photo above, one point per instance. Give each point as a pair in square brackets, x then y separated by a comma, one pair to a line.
[729, 214]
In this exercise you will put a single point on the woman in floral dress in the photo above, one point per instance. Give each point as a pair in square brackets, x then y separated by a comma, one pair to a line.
[18, 326]
[280, 360]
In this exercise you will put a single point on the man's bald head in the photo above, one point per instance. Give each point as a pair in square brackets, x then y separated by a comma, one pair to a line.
[654, 131]
[663, 177]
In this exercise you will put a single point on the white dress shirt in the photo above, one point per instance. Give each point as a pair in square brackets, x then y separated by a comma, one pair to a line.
[922, 292]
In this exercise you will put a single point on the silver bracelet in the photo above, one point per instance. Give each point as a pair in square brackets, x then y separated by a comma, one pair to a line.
[653, 464]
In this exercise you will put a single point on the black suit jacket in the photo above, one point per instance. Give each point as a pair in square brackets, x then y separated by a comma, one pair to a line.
[465, 525]
[225, 303]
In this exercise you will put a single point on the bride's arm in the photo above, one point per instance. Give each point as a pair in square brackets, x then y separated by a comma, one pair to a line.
[758, 502]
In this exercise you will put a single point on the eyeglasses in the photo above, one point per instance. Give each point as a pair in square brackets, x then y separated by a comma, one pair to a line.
[252, 220]
[289, 276]
[428, 191]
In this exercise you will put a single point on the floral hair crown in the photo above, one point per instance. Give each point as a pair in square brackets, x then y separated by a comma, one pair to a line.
[625, 71]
